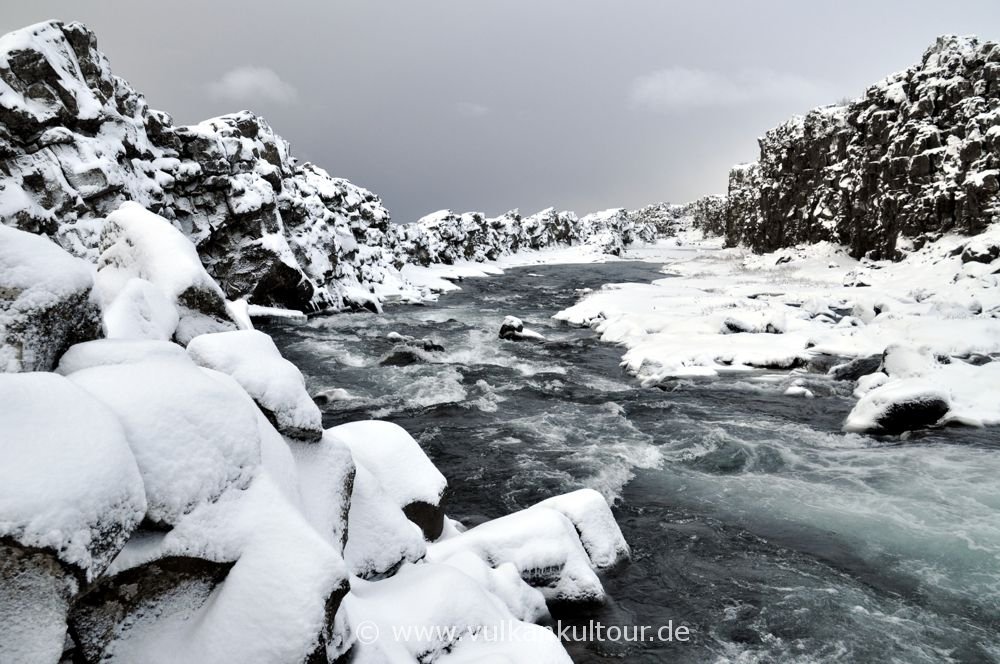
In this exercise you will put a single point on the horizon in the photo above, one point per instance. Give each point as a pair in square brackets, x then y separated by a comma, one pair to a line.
[480, 115]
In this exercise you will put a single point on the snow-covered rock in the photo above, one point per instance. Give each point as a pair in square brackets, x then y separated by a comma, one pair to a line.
[104, 352]
[395, 459]
[512, 329]
[541, 542]
[149, 275]
[326, 476]
[599, 532]
[276, 603]
[916, 156]
[275, 384]
[435, 613]
[45, 301]
[193, 431]
[70, 496]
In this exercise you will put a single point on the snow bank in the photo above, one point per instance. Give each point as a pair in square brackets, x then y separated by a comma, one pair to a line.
[45, 303]
[193, 432]
[276, 384]
[726, 311]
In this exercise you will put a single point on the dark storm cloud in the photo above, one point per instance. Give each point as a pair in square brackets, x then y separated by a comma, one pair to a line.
[494, 104]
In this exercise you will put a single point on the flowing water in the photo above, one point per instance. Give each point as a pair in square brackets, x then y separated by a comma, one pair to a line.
[753, 520]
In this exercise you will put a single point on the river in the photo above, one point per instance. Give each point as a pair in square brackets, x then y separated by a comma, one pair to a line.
[754, 521]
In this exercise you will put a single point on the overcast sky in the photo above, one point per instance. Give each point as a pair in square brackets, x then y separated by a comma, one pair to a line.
[495, 104]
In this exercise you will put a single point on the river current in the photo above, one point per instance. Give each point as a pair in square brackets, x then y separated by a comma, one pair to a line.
[753, 520]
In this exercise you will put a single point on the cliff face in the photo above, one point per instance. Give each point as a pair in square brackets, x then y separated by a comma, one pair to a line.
[77, 141]
[917, 155]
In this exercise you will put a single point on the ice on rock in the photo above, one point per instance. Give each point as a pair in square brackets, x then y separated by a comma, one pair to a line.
[45, 301]
[541, 543]
[275, 384]
[599, 532]
[105, 352]
[193, 431]
[138, 244]
[70, 496]
[403, 470]
[435, 613]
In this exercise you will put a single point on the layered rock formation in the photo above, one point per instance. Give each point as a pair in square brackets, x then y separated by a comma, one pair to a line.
[76, 142]
[916, 156]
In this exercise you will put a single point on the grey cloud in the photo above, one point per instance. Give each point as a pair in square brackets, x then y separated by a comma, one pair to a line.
[682, 88]
[252, 84]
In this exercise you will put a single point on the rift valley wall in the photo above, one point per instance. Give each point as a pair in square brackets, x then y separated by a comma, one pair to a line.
[916, 156]
[76, 142]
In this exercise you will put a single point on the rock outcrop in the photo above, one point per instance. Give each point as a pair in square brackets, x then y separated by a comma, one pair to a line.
[77, 141]
[45, 302]
[918, 155]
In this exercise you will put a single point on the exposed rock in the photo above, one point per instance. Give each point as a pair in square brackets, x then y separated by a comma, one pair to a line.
[856, 368]
[45, 302]
[916, 156]
[512, 329]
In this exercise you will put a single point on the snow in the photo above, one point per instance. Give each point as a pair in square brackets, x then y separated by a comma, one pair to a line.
[504, 581]
[541, 543]
[193, 431]
[599, 532]
[143, 246]
[326, 476]
[435, 613]
[68, 481]
[395, 459]
[379, 536]
[724, 311]
[257, 311]
[140, 311]
[103, 352]
[272, 605]
[252, 359]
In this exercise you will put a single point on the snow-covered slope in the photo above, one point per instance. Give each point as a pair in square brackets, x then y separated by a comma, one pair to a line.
[916, 156]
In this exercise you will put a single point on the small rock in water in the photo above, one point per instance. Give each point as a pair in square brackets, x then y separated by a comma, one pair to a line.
[512, 329]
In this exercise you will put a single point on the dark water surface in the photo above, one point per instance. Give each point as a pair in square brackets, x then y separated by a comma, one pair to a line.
[753, 520]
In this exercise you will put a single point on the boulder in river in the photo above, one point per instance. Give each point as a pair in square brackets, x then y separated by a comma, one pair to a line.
[512, 329]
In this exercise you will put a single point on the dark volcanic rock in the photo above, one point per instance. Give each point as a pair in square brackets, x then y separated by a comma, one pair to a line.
[915, 156]
[910, 415]
[856, 368]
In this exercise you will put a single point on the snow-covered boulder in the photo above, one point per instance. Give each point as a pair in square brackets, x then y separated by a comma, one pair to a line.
[396, 461]
[70, 496]
[105, 352]
[326, 477]
[897, 407]
[435, 613]
[193, 431]
[275, 384]
[45, 301]
[512, 329]
[283, 584]
[148, 274]
[599, 532]
[380, 537]
[542, 543]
